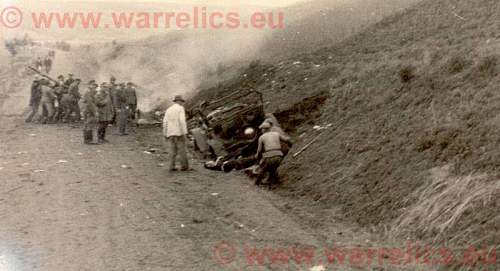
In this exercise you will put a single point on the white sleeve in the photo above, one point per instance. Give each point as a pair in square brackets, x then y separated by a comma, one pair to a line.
[165, 124]
[182, 121]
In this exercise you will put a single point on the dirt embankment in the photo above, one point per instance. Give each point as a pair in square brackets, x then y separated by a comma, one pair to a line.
[413, 110]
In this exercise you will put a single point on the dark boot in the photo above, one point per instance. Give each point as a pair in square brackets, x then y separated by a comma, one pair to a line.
[101, 133]
[88, 138]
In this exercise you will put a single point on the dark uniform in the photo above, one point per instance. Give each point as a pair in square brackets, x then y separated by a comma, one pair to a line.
[113, 88]
[131, 95]
[69, 102]
[122, 110]
[105, 113]
[89, 114]
[48, 64]
[59, 90]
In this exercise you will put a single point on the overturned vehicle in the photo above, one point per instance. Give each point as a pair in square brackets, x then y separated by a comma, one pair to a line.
[226, 129]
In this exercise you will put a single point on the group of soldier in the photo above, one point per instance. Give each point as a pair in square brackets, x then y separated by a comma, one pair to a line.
[109, 103]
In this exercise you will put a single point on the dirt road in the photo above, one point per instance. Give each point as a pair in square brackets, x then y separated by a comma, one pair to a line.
[66, 206]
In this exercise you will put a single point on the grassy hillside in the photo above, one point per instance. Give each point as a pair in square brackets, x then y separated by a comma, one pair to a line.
[312, 25]
[414, 114]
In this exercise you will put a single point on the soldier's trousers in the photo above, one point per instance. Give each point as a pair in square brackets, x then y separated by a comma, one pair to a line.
[177, 146]
[122, 121]
[101, 130]
[69, 109]
[34, 111]
[131, 112]
[89, 129]
[46, 107]
[269, 165]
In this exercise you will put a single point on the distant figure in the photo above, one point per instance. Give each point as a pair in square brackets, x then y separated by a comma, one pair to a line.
[39, 64]
[269, 149]
[113, 88]
[175, 130]
[131, 95]
[105, 112]
[35, 97]
[89, 113]
[122, 110]
[48, 64]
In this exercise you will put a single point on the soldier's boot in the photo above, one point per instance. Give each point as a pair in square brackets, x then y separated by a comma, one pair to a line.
[101, 134]
[88, 138]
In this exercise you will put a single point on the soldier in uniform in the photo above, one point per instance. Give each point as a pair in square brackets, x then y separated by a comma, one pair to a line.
[113, 88]
[39, 64]
[270, 152]
[48, 64]
[59, 90]
[89, 113]
[69, 102]
[70, 80]
[47, 101]
[122, 110]
[105, 112]
[131, 94]
[36, 96]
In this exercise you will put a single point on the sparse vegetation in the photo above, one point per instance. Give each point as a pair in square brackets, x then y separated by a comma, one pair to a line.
[487, 66]
[406, 74]
[456, 64]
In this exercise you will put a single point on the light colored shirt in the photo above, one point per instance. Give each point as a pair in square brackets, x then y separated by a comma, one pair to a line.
[174, 122]
[270, 144]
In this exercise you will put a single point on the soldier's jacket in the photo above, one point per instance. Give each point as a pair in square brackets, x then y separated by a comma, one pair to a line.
[48, 95]
[113, 88]
[71, 97]
[104, 104]
[121, 102]
[36, 93]
[131, 95]
[74, 91]
[88, 108]
[60, 90]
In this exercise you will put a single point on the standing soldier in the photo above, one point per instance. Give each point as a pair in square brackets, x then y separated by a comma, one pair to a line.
[39, 64]
[89, 113]
[104, 112]
[47, 62]
[59, 90]
[175, 130]
[122, 111]
[69, 102]
[47, 103]
[131, 94]
[113, 88]
[36, 96]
